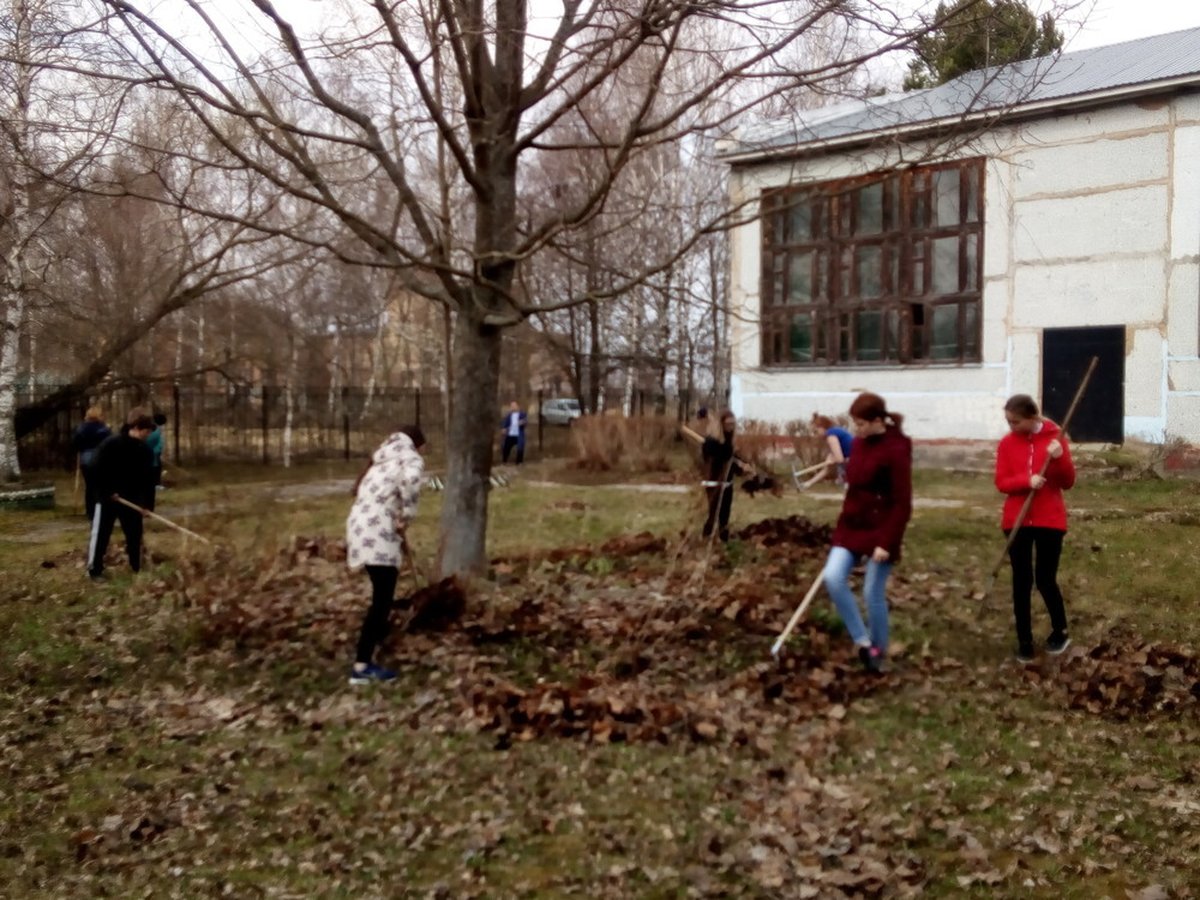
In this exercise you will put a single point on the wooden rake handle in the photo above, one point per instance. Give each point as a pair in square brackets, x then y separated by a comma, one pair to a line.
[164, 520]
[795, 619]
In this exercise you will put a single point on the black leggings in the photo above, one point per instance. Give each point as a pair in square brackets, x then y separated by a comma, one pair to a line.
[719, 512]
[1048, 542]
[375, 624]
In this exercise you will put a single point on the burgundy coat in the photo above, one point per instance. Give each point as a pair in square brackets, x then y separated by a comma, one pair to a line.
[878, 501]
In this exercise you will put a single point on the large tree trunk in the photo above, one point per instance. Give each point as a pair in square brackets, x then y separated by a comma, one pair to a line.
[469, 446]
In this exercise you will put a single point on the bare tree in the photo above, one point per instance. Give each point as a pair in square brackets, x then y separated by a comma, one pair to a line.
[41, 160]
[460, 99]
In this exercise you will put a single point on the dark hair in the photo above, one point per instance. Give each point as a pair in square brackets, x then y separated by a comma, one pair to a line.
[1023, 405]
[871, 407]
[822, 422]
[415, 434]
[160, 418]
[702, 412]
[142, 421]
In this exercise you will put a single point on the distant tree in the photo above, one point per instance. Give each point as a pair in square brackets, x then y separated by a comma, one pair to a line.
[975, 34]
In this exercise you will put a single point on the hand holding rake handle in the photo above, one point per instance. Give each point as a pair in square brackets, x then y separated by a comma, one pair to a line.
[795, 619]
[699, 439]
[811, 469]
[1012, 535]
[163, 519]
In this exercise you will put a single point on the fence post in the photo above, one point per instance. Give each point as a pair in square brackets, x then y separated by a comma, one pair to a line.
[266, 456]
[175, 406]
[346, 422]
[417, 396]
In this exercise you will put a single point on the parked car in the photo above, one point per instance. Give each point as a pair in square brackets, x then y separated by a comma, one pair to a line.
[560, 411]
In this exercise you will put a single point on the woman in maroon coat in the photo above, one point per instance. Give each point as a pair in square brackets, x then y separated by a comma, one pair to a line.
[1032, 440]
[875, 512]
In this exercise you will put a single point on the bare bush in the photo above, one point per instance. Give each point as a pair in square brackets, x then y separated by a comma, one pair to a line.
[643, 443]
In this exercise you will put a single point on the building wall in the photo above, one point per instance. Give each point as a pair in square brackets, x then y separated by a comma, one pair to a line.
[1091, 218]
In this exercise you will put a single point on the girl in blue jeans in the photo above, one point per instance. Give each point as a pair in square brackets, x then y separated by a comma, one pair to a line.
[875, 513]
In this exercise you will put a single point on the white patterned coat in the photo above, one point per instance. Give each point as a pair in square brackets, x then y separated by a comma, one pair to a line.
[387, 499]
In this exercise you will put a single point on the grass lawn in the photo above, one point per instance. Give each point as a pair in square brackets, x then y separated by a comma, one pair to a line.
[605, 720]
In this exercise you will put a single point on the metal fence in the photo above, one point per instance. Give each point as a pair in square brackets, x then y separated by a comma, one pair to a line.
[247, 423]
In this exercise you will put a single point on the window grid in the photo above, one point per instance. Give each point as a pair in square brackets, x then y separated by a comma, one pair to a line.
[878, 270]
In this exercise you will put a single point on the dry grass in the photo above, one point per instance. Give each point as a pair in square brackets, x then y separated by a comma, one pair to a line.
[603, 443]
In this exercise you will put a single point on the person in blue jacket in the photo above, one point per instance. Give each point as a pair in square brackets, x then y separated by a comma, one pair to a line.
[86, 441]
[156, 444]
[513, 428]
[837, 444]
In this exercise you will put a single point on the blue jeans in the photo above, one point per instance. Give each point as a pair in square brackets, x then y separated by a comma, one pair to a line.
[837, 582]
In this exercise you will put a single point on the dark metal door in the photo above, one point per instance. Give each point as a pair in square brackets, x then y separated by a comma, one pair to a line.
[1066, 353]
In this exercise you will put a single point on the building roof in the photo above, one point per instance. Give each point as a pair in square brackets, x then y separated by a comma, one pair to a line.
[1036, 86]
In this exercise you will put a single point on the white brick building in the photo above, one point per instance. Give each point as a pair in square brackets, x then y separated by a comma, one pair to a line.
[950, 247]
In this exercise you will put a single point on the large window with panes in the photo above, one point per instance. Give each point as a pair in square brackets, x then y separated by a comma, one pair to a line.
[881, 269]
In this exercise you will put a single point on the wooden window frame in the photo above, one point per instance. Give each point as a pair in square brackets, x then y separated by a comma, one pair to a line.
[908, 258]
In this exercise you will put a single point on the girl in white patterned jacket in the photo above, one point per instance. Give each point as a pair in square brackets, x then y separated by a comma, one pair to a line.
[385, 501]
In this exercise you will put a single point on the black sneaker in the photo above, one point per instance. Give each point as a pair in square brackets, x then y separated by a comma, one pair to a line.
[97, 576]
[872, 659]
[1057, 643]
[1025, 653]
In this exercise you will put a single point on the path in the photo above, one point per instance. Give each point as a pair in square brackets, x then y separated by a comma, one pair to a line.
[295, 492]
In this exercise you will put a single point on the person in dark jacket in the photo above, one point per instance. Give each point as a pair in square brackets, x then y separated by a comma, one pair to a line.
[875, 513]
[513, 428]
[124, 468]
[86, 441]
[1032, 439]
[717, 455]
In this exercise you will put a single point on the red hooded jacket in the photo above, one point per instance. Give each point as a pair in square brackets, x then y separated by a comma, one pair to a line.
[1018, 458]
[878, 501]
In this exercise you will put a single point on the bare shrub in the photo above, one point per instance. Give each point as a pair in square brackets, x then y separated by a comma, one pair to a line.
[602, 443]
[757, 442]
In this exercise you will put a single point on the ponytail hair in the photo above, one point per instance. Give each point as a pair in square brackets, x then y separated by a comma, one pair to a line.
[822, 422]
[871, 407]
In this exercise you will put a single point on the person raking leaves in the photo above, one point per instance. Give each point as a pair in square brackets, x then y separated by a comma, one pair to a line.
[385, 502]
[717, 453]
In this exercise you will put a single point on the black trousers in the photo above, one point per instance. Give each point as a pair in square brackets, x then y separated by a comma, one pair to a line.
[106, 513]
[718, 511]
[378, 618]
[1046, 545]
[91, 493]
[509, 443]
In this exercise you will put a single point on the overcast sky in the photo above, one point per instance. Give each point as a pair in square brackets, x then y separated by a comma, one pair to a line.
[1113, 21]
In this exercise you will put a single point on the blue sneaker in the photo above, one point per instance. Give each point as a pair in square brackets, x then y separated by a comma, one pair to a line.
[371, 673]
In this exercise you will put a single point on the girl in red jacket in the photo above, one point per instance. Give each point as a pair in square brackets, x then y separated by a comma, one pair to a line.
[875, 512]
[1019, 459]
